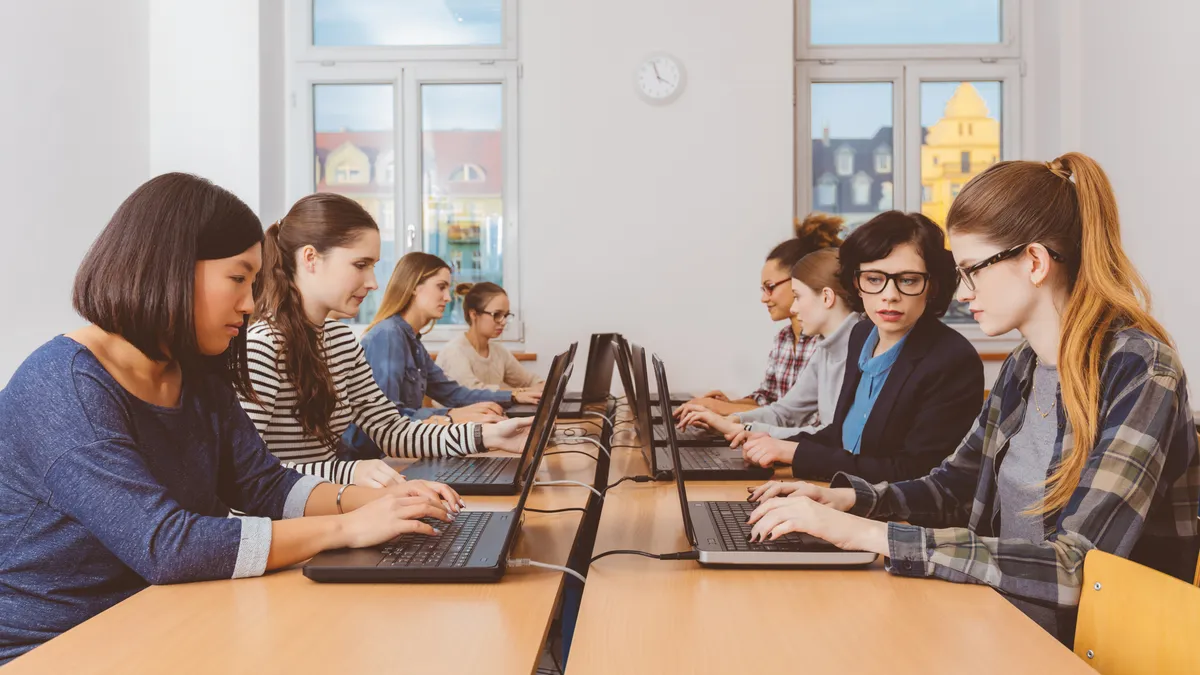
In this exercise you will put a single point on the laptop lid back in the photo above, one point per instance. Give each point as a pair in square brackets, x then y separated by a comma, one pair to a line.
[597, 381]
[664, 402]
[644, 416]
[556, 382]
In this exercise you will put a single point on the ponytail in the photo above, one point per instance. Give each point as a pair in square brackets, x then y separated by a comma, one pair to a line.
[1107, 293]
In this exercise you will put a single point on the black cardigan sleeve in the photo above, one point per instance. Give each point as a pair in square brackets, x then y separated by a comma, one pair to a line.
[951, 398]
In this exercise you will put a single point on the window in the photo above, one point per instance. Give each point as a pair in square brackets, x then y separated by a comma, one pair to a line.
[907, 100]
[845, 160]
[862, 189]
[827, 192]
[409, 108]
[883, 159]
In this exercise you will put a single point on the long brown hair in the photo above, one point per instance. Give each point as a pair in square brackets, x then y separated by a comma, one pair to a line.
[1066, 205]
[477, 296]
[815, 231]
[323, 221]
[819, 270]
[412, 270]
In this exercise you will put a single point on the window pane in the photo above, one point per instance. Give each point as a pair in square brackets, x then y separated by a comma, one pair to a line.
[407, 23]
[961, 131]
[462, 168]
[356, 157]
[852, 159]
[904, 22]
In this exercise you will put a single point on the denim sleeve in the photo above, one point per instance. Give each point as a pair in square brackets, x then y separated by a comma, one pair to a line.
[388, 355]
[451, 394]
[107, 487]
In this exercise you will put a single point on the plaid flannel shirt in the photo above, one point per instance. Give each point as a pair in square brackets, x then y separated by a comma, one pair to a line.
[1137, 498]
[784, 363]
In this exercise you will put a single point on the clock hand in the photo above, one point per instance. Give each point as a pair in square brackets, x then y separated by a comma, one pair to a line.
[655, 66]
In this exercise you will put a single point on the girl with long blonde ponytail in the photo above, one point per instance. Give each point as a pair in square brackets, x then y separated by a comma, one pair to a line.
[1087, 440]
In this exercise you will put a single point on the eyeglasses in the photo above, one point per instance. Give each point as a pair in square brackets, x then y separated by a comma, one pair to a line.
[769, 287]
[872, 282]
[967, 274]
[499, 316]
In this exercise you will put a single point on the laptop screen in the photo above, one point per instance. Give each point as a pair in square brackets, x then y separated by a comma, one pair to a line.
[539, 433]
[621, 349]
[597, 381]
[660, 375]
[643, 415]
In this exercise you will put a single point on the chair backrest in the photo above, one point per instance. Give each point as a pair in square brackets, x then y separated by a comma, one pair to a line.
[1133, 619]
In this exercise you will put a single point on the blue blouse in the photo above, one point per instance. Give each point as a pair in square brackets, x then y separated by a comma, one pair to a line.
[875, 372]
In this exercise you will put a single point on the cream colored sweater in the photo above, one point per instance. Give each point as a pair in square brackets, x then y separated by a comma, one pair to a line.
[500, 370]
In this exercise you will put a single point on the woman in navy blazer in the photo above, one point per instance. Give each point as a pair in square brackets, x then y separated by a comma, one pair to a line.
[913, 385]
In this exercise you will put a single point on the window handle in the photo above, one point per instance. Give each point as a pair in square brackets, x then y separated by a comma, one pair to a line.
[410, 237]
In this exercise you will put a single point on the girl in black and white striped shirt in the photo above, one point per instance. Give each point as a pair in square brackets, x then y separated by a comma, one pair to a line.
[309, 373]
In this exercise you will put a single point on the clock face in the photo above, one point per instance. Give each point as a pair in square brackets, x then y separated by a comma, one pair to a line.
[660, 79]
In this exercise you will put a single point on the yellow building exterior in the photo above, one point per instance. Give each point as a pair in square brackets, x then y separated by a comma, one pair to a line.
[956, 148]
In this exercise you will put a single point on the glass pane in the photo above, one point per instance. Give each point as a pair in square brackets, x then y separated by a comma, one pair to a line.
[407, 23]
[961, 132]
[852, 162]
[356, 156]
[904, 22]
[462, 180]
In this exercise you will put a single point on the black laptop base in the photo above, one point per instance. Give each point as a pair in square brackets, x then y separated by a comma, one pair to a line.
[705, 464]
[484, 475]
[484, 564]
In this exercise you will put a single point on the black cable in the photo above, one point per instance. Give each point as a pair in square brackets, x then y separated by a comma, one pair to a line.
[573, 508]
[682, 555]
[636, 479]
[614, 447]
[571, 452]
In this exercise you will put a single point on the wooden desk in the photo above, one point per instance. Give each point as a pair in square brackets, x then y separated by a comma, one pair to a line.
[284, 623]
[645, 616]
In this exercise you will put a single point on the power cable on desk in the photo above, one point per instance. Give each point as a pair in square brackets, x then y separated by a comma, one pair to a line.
[572, 452]
[681, 555]
[566, 510]
[577, 440]
[575, 483]
[636, 479]
[526, 562]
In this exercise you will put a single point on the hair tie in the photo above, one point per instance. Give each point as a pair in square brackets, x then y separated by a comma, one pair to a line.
[1059, 170]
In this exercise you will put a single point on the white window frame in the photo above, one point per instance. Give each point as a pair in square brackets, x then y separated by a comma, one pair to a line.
[1008, 47]
[906, 66]
[808, 74]
[406, 79]
[300, 33]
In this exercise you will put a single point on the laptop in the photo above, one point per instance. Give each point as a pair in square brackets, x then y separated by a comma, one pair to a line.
[677, 397]
[474, 548]
[718, 530]
[621, 348]
[475, 475]
[690, 437]
[700, 462]
[597, 382]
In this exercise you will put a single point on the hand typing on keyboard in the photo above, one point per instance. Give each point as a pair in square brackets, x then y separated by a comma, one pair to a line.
[431, 490]
[777, 517]
[390, 516]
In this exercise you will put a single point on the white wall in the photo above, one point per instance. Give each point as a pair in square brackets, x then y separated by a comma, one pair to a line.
[73, 107]
[654, 221]
[1137, 116]
[204, 92]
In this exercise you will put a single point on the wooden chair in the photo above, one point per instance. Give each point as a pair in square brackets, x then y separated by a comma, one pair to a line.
[1133, 619]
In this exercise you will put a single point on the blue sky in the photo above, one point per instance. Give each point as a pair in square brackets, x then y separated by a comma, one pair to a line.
[859, 109]
[369, 107]
[407, 22]
[889, 22]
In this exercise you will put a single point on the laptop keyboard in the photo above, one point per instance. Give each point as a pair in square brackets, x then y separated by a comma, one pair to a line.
[702, 459]
[452, 548]
[690, 434]
[730, 519]
[476, 470]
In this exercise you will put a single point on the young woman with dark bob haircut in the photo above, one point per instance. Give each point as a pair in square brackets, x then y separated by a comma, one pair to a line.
[124, 446]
